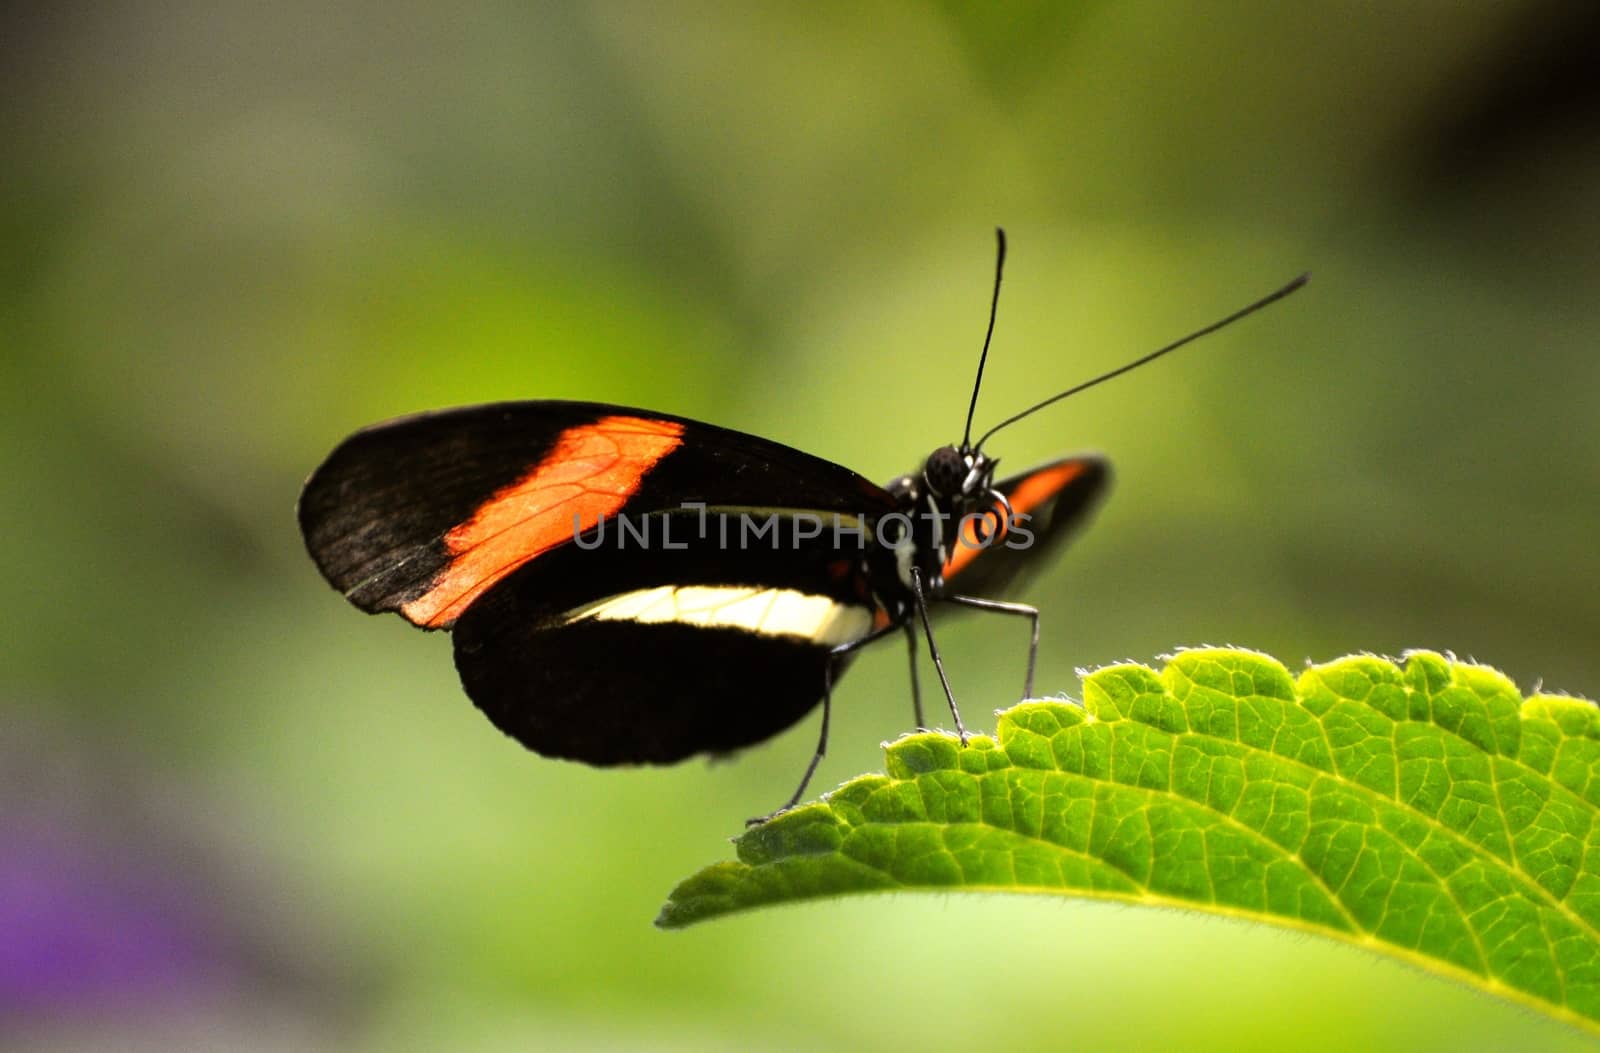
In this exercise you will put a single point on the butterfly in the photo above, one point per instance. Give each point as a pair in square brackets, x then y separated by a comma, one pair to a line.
[625, 586]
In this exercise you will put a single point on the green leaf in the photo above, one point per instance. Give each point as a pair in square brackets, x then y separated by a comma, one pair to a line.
[1426, 811]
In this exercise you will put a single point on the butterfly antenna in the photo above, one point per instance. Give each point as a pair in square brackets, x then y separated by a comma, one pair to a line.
[994, 306]
[1151, 357]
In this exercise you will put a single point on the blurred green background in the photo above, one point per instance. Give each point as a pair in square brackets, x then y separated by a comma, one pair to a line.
[235, 812]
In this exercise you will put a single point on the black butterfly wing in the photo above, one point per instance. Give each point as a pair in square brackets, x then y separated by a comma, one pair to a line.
[423, 515]
[1051, 502]
[621, 655]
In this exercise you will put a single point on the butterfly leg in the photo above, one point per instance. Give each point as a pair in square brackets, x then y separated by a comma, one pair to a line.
[834, 657]
[916, 685]
[933, 649]
[999, 607]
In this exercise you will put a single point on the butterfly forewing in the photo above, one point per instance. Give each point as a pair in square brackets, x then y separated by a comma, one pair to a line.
[424, 515]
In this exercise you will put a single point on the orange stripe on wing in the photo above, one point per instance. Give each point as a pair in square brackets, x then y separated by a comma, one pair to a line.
[592, 472]
[1035, 490]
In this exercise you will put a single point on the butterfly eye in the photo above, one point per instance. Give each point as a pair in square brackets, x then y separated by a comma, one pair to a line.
[945, 471]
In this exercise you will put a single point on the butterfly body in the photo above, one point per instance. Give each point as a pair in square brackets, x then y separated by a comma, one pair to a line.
[625, 586]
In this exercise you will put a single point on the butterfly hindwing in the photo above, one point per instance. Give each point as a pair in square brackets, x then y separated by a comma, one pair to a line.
[635, 655]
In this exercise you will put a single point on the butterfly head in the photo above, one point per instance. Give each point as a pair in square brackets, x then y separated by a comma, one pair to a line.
[952, 483]
[957, 483]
